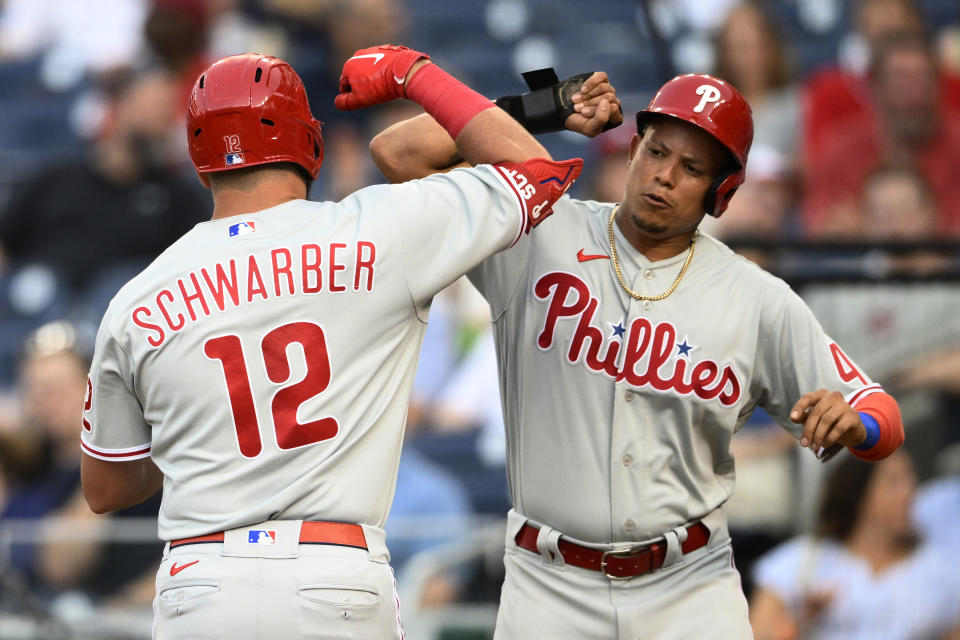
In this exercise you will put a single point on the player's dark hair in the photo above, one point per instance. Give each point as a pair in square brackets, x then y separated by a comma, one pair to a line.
[231, 178]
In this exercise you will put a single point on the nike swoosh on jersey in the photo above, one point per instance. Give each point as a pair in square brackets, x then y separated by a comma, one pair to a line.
[174, 569]
[584, 257]
[376, 56]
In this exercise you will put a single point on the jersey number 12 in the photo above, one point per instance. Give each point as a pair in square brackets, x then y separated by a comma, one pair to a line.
[290, 433]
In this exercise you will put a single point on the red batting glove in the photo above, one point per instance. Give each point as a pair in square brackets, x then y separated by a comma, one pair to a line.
[375, 75]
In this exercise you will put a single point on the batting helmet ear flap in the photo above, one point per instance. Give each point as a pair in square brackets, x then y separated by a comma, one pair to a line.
[721, 190]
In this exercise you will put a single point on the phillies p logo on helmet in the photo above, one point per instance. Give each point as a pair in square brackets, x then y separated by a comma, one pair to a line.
[710, 94]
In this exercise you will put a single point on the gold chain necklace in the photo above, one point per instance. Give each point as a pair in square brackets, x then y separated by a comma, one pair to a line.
[616, 264]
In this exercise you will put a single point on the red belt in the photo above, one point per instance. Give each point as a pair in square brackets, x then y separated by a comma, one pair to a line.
[627, 563]
[341, 533]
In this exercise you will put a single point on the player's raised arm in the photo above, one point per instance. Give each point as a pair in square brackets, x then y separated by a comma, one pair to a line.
[481, 133]
[419, 146]
[414, 148]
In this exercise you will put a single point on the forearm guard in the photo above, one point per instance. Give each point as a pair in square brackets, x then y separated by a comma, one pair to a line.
[548, 104]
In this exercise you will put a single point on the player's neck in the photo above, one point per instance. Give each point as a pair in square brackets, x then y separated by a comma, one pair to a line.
[653, 248]
[232, 201]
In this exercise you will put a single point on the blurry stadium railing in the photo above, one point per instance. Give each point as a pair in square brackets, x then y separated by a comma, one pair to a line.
[72, 615]
[802, 262]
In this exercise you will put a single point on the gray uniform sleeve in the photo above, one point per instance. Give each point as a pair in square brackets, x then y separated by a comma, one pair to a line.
[450, 222]
[498, 277]
[113, 426]
[798, 357]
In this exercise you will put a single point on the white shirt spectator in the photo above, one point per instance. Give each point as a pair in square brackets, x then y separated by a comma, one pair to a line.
[937, 512]
[916, 598]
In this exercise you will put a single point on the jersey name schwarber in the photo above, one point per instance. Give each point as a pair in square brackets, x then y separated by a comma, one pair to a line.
[262, 276]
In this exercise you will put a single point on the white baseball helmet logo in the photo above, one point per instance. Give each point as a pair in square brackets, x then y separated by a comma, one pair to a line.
[709, 94]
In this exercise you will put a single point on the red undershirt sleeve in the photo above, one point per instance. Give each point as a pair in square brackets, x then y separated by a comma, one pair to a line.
[881, 417]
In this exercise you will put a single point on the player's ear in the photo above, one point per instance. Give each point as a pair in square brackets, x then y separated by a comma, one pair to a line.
[204, 180]
[634, 145]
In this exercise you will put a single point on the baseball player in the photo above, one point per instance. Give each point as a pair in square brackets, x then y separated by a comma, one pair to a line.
[260, 368]
[630, 349]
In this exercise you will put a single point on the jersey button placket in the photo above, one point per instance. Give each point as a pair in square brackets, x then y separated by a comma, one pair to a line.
[642, 286]
[629, 420]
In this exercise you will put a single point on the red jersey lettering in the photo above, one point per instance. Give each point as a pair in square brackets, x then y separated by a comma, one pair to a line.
[652, 356]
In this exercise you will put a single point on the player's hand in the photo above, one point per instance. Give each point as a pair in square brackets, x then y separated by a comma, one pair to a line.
[596, 104]
[375, 75]
[827, 419]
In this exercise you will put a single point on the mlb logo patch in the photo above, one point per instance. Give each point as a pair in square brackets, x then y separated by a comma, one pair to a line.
[259, 536]
[242, 228]
[233, 159]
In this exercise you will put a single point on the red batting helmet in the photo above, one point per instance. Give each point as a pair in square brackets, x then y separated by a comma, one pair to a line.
[717, 108]
[251, 109]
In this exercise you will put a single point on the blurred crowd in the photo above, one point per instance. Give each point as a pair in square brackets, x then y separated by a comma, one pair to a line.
[852, 178]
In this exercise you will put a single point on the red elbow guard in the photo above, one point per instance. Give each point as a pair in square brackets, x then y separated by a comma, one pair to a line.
[884, 410]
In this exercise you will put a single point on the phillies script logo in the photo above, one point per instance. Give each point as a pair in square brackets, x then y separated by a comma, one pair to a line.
[652, 357]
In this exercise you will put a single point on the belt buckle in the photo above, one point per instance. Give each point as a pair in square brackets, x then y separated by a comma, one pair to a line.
[621, 553]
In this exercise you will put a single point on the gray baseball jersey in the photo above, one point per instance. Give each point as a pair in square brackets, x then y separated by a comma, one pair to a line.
[265, 361]
[619, 413]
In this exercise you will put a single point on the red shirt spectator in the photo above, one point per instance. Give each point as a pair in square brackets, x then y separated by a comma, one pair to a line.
[838, 95]
[836, 181]
[841, 94]
[908, 125]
